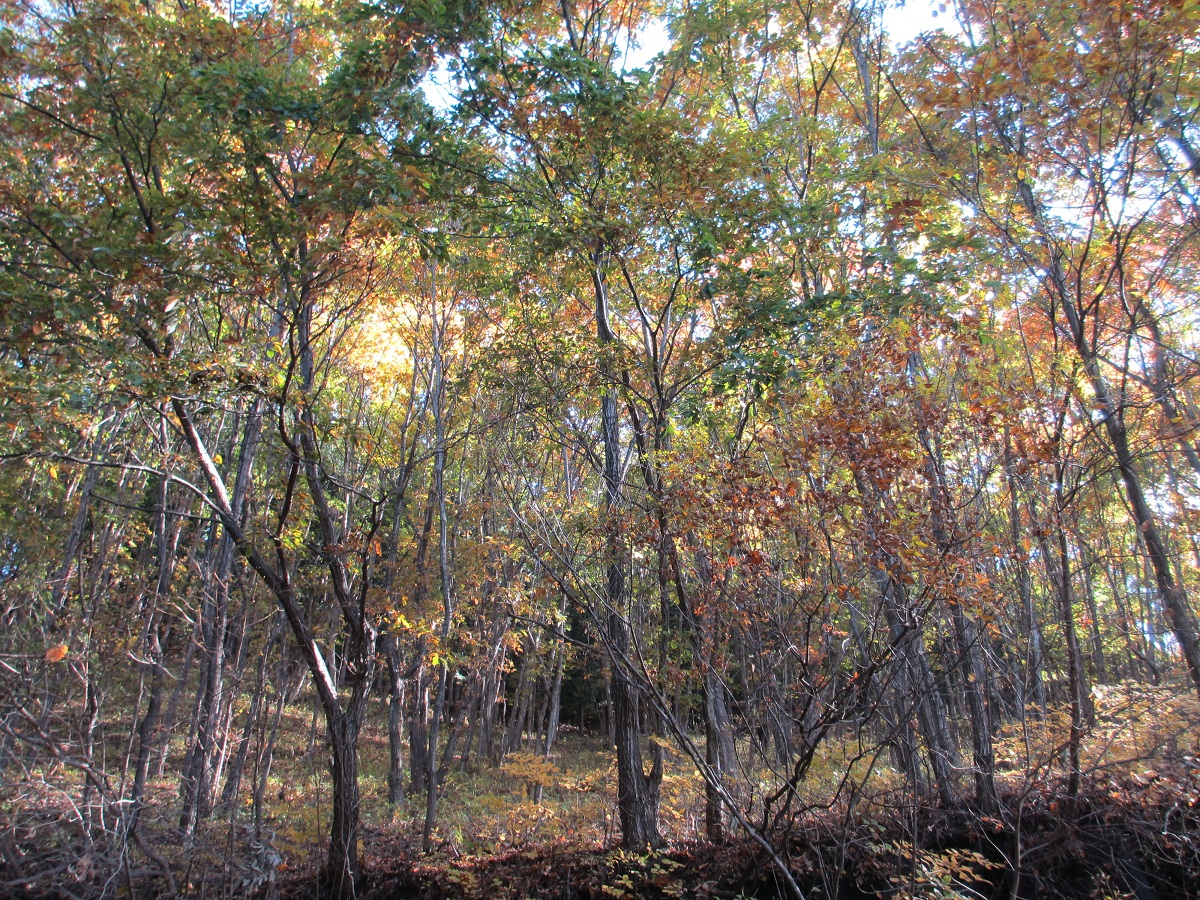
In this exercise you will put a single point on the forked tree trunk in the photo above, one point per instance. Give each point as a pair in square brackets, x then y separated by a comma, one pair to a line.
[342, 722]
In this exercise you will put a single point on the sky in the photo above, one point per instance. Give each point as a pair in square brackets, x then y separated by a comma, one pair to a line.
[905, 22]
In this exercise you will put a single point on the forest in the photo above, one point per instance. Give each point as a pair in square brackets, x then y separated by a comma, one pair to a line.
[599, 448]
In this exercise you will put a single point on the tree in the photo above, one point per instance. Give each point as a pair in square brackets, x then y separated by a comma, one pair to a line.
[1092, 136]
[226, 184]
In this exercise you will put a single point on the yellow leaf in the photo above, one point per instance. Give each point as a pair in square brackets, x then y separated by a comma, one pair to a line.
[54, 472]
[218, 459]
[56, 654]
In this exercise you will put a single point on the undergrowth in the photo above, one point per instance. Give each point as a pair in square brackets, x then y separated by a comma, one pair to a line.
[857, 831]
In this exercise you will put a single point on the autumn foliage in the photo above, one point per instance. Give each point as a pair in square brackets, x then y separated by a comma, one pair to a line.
[447, 449]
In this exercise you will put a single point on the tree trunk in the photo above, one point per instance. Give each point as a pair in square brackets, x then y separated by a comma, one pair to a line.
[1034, 689]
[975, 681]
[970, 652]
[431, 772]
[418, 735]
[552, 717]
[637, 792]
[1174, 600]
[516, 720]
[438, 391]
[395, 721]
[1170, 593]
[908, 643]
[342, 869]
[718, 752]
[74, 540]
[171, 717]
[198, 780]
[1075, 676]
[146, 732]
[233, 779]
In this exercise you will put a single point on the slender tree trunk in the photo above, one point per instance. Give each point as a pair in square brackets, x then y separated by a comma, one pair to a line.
[637, 792]
[431, 771]
[91, 786]
[1034, 687]
[719, 751]
[265, 756]
[146, 732]
[1089, 598]
[395, 721]
[1171, 594]
[438, 391]
[418, 735]
[907, 639]
[975, 681]
[233, 779]
[74, 541]
[1075, 676]
[171, 717]
[158, 631]
[201, 774]
[516, 721]
[970, 651]
[555, 698]
[1174, 601]
[908, 642]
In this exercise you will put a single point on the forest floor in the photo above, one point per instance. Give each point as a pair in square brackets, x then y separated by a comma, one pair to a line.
[1133, 832]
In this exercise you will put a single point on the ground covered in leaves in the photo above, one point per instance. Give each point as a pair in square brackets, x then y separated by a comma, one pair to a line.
[1137, 836]
[1133, 832]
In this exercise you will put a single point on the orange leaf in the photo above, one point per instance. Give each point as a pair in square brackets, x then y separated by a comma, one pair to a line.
[56, 654]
